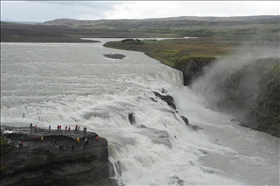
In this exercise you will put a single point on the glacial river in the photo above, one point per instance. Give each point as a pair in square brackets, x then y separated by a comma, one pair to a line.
[73, 83]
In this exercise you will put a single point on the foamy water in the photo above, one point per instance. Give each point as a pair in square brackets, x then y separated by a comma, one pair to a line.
[69, 84]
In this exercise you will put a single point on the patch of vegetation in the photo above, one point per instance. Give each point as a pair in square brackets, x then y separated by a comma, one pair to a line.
[132, 41]
[5, 146]
[176, 52]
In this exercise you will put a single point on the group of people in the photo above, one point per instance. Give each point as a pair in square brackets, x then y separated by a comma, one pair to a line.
[37, 138]
[77, 128]
[58, 127]
[35, 127]
[20, 144]
[62, 148]
[86, 142]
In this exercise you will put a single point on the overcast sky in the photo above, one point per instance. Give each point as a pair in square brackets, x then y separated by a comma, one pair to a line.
[40, 11]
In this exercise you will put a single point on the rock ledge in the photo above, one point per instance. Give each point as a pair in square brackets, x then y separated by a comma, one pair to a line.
[55, 159]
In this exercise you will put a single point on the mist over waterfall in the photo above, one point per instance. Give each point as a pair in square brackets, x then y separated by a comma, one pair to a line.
[149, 142]
[236, 84]
[236, 76]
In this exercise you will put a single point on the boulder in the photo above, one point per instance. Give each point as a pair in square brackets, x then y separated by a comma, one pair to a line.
[193, 127]
[54, 158]
[168, 99]
[114, 56]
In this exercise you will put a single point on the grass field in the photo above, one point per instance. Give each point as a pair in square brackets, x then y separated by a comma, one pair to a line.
[176, 51]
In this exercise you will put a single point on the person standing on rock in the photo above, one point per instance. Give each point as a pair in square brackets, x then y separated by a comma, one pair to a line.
[49, 128]
[76, 128]
[86, 141]
[35, 128]
[30, 125]
[78, 140]
[69, 128]
[97, 138]
[65, 127]
[19, 144]
[85, 130]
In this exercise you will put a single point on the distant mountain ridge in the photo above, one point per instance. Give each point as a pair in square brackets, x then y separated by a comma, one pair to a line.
[171, 21]
[196, 18]
[71, 30]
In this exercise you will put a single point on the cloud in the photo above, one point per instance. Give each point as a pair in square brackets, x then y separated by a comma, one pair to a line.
[158, 9]
[40, 11]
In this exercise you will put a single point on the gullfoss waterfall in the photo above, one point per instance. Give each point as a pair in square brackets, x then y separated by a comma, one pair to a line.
[149, 142]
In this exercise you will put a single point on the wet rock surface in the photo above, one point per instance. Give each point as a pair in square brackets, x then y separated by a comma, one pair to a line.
[114, 56]
[167, 98]
[193, 127]
[53, 157]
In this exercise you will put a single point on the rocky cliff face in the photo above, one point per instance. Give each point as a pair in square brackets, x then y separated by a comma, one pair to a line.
[54, 158]
[252, 93]
[265, 112]
[193, 68]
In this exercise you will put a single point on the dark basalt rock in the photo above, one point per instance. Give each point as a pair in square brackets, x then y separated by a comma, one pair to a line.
[193, 68]
[41, 162]
[193, 127]
[114, 56]
[131, 118]
[168, 99]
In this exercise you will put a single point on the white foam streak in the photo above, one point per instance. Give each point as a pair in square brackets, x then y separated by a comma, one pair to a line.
[158, 149]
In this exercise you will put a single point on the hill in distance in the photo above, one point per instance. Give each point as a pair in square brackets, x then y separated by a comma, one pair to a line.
[71, 30]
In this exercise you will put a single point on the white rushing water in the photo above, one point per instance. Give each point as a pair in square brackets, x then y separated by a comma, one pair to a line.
[69, 84]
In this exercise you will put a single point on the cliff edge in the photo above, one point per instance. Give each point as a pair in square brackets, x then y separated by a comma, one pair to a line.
[53, 157]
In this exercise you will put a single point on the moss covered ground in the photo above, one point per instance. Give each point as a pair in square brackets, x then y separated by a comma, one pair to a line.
[175, 52]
